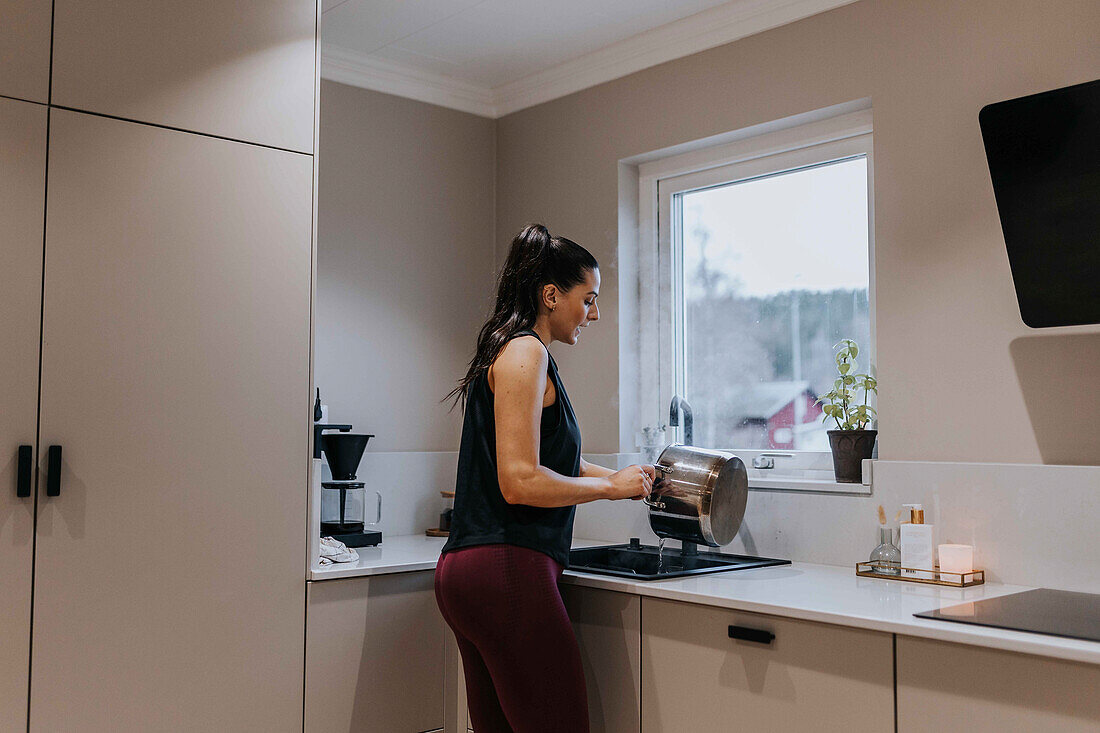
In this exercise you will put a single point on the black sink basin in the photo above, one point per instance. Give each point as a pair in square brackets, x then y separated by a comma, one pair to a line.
[642, 562]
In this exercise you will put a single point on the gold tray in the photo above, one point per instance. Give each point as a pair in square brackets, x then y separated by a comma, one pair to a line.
[952, 580]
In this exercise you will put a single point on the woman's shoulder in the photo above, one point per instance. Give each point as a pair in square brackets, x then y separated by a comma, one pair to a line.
[521, 360]
[523, 350]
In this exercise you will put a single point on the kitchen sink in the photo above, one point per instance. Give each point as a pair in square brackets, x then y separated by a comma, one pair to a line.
[645, 562]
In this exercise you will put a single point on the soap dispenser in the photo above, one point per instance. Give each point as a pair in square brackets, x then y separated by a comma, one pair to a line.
[916, 545]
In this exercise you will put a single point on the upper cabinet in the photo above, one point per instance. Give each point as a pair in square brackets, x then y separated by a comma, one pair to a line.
[244, 70]
[25, 49]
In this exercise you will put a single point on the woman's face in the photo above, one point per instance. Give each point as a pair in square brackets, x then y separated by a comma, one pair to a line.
[575, 308]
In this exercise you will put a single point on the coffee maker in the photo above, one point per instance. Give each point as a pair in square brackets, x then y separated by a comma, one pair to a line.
[343, 499]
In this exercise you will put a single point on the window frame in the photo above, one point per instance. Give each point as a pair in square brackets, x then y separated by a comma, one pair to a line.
[660, 259]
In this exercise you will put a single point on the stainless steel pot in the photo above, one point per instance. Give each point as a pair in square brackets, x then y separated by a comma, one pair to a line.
[700, 497]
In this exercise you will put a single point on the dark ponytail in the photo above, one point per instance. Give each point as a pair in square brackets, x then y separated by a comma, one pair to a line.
[535, 259]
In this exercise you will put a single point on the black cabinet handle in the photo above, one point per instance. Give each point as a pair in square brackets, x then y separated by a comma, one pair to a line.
[26, 468]
[53, 471]
[744, 633]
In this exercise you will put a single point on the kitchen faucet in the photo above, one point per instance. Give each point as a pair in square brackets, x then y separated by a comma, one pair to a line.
[679, 404]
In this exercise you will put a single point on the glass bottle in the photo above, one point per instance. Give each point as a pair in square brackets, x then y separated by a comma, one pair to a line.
[886, 554]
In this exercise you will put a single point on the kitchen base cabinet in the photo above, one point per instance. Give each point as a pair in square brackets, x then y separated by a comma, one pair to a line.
[375, 655]
[944, 687]
[456, 717]
[608, 628]
[811, 676]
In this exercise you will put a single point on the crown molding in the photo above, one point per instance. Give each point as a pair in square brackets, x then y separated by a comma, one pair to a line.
[708, 29]
[359, 69]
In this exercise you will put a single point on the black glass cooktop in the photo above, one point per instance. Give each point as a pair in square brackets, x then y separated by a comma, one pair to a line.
[644, 562]
[1041, 611]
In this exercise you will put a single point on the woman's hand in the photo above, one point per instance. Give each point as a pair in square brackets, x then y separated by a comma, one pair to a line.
[633, 482]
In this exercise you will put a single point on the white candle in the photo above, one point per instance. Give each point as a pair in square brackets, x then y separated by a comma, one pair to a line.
[956, 558]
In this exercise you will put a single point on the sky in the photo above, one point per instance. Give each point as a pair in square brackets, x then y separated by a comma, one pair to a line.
[805, 230]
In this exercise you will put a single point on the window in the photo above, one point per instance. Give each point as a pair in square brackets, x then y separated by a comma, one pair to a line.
[762, 265]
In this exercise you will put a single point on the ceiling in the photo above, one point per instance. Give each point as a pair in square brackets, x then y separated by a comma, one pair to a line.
[492, 57]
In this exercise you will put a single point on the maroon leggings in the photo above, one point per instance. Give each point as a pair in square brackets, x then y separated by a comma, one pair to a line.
[519, 654]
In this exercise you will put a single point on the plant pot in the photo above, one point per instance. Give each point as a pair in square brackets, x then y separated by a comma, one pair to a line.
[850, 448]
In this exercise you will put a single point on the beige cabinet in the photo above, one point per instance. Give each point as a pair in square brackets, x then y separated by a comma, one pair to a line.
[947, 687]
[809, 677]
[244, 70]
[22, 196]
[25, 49]
[375, 655]
[168, 580]
[608, 626]
[456, 714]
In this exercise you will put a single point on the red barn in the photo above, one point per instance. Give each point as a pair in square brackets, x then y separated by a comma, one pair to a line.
[780, 409]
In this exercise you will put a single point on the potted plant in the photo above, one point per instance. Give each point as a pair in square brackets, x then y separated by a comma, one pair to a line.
[851, 442]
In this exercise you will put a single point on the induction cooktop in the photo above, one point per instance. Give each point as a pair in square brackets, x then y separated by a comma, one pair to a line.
[1040, 611]
[646, 562]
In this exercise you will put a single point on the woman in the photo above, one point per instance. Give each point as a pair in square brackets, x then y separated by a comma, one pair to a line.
[520, 475]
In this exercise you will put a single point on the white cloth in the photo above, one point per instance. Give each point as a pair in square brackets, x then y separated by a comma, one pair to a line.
[336, 551]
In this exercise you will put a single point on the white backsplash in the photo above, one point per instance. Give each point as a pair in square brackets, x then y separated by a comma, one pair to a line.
[410, 484]
[1029, 524]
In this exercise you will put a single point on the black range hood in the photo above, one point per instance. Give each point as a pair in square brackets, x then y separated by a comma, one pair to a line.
[1044, 160]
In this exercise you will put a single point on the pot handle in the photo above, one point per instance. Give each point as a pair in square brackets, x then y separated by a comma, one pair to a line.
[666, 470]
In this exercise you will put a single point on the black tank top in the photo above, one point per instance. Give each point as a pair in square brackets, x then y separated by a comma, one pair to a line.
[481, 516]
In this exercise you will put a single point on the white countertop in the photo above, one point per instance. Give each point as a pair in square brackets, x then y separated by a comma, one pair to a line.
[825, 593]
[400, 554]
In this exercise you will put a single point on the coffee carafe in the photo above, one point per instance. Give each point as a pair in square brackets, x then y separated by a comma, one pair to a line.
[344, 498]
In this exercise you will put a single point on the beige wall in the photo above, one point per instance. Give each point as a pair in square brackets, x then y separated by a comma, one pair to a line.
[404, 261]
[946, 309]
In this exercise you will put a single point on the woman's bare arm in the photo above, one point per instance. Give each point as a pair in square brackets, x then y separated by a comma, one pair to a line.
[519, 382]
[594, 471]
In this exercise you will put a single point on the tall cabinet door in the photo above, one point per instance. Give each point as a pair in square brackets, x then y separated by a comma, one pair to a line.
[25, 49]
[22, 193]
[169, 569]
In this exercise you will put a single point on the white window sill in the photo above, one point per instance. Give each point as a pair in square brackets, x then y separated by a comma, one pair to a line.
[821, 483]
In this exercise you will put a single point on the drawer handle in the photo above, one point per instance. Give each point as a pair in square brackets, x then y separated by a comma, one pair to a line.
[744, 633]
[26, 467]
[53, 468]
